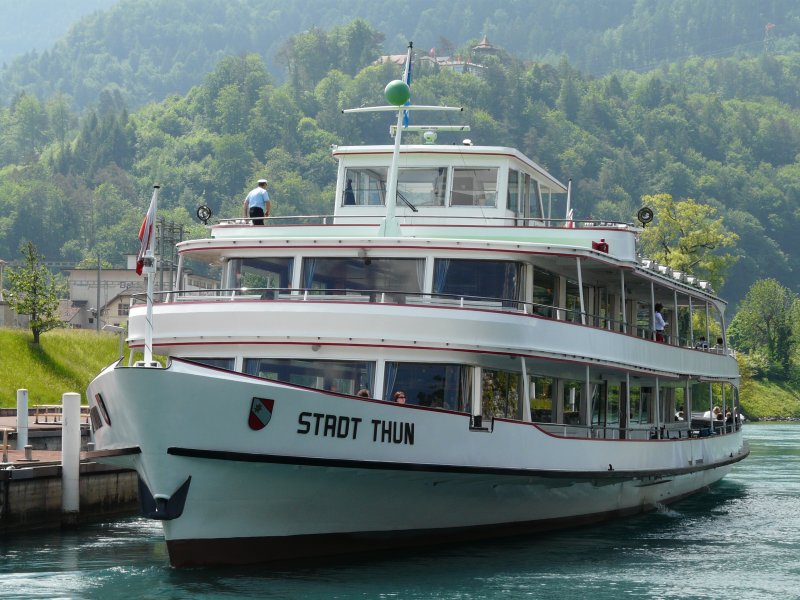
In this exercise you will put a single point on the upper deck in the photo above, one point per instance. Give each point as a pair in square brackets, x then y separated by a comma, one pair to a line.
[489, 193]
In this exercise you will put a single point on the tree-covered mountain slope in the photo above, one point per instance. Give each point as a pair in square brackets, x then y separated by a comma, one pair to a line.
[724, 131]
[148, 49]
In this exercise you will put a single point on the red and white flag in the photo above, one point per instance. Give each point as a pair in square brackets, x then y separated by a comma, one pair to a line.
[147, 232]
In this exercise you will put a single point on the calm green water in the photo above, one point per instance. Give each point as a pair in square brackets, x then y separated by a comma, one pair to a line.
[740, 540]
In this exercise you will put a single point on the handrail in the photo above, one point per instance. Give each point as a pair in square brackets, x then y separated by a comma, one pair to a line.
[433, 211]
[413, 298]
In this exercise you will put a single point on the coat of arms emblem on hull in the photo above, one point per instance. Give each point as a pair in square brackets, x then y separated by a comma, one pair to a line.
[260, 413]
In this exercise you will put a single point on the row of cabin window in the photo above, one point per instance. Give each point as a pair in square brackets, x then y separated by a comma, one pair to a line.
[471, 186]
[449, 386]
[470, 279]
[500, 281]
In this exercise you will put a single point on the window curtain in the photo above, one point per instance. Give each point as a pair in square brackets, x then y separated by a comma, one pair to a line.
[309, 266]
[421, 274]
[390, 376]
[440, 274]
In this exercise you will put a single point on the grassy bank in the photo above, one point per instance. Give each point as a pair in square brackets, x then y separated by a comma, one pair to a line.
[763, 399]
[65, 361]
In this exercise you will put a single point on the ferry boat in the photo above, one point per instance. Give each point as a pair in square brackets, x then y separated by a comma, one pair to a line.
[455, 363]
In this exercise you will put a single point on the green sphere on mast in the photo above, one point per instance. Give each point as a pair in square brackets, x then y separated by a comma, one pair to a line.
[397, 92]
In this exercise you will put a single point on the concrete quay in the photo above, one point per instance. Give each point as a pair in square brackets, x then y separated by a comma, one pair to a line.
[31, 486]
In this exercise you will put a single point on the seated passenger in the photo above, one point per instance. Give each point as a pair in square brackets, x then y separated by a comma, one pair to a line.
[701, 343]
[399, 397]
[363, 393]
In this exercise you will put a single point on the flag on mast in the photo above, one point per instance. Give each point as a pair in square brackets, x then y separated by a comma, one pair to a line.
[407, 79]
[147, 232]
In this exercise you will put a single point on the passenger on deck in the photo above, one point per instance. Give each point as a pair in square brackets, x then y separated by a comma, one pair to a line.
[257, 203]
[701, 343]
[363, 393]
[659, 322]
[399, 397]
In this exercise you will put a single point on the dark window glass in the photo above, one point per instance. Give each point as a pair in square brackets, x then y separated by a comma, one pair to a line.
[478, 279]
[347, 275]
[261, 273]
[500, 394]
[474, 187]
[544, 292]
[344, 377]
[429, 384]
[219, 363]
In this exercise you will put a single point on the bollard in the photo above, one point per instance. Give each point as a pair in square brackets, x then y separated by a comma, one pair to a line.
[29, 453]
[70, 458]
[22, 419]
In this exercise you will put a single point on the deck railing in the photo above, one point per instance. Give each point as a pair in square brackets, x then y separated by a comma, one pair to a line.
[416, 298]
[438, 212]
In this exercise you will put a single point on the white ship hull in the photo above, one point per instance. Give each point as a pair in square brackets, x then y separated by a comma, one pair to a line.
[333, 474]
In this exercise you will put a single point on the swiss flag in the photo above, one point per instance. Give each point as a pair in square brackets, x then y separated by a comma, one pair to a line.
[146, 232]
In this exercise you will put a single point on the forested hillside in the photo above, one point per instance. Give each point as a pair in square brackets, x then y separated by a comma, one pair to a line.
[148, 49]
[724, 131]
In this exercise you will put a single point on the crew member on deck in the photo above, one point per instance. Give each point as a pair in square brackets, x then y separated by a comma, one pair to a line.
[257, 203]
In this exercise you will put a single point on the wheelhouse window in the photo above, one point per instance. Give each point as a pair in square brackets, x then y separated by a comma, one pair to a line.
[512, 202]
[352, 275]
[367, 186]
[344, 377]
[478, 280]
[417, 187]
[430, 384]
[261, 273]
[474, 187]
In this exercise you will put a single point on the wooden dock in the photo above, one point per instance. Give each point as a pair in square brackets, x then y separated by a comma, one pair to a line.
[30, 486]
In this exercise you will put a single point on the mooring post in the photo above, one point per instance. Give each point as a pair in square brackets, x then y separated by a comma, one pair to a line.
[70, 457]
[22, 419]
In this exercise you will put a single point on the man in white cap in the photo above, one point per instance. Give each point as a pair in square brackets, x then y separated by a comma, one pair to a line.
[257, 204]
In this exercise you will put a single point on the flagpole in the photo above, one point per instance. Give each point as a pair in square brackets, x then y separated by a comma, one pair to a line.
[150, 272]
[390, 227]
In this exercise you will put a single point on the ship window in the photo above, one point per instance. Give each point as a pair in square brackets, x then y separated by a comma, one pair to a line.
[341, 376]
[219, 363]
[418, 187]
[640, 404]
[500, 394]
[474, 187]
[573, 302]
[572, 402]
[544, 294]
[478, 279]
[261, 273]
[347, 275]
[430, 384]
[513, 190]
[541, 399]
[368, 185]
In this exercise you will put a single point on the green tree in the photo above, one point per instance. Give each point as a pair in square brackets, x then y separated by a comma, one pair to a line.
[688, 236]
[34, 292]
[764, 323]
